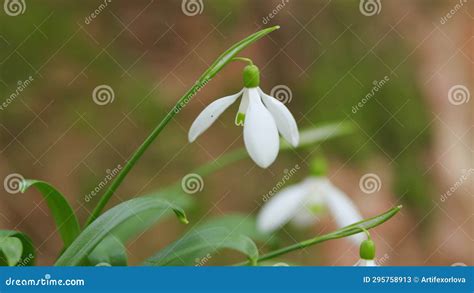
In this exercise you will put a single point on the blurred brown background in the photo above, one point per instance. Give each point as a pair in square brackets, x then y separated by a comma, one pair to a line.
[413, 134]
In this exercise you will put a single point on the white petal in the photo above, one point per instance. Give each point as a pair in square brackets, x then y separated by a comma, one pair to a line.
[366, 263]
[260, 132]
[244, 103]
[210, 114]
[341, 208]
[282, 207]
[285, 121]
[305, 217]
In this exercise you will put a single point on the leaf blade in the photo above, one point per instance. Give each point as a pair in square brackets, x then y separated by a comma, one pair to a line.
[28, 255]
[63, 215]
[93, 234]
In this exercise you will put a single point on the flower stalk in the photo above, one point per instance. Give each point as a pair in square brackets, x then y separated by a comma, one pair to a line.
[340, 233]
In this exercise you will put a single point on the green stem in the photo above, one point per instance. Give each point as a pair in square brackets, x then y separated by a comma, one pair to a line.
[340, 233]
[243, 59]
[217, 66]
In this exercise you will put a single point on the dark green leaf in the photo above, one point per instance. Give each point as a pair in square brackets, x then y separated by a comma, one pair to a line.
[107, 222]
[63, 214]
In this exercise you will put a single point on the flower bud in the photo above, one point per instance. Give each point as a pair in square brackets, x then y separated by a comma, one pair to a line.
[367, 250]
[251, 76]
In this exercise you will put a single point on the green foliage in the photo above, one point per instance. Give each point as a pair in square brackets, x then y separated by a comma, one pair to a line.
[16, 249]
[200, 244]
[93, 234]
[64, 216]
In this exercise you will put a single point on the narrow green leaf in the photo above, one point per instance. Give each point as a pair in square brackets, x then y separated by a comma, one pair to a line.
[109, 251]
[64, 216]
[199, 245]
[340, 233]
[11, 249]
[16, 249]
[106, 223]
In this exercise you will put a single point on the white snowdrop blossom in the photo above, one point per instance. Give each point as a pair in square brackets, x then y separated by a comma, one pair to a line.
[366, 263]
[300, 203]
[262, 117]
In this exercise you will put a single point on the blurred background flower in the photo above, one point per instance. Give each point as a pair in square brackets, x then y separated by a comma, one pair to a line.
[83, 83]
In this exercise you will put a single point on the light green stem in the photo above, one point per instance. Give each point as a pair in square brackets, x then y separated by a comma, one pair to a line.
[217, 66]
[340, 233]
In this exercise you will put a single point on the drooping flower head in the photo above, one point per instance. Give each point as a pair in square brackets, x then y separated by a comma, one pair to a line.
[262, 117]
[367, 253]
[301, 204]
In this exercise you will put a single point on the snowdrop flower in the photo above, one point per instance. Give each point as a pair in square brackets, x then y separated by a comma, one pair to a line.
[261, 115]
[300, 204]
[367, 254]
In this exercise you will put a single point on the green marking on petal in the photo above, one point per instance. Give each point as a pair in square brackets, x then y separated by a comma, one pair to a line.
[317, 209]
[240, 119]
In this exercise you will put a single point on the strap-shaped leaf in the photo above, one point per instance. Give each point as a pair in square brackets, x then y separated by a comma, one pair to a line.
[16, 249]
[64, 216]
[201, 244]
[107, 222]
[109, 251]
